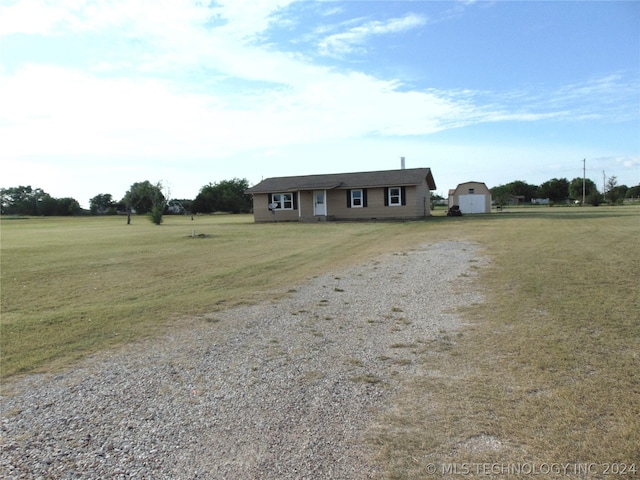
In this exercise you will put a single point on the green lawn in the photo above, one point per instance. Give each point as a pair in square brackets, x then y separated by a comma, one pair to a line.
[71, 286]
[546, 371]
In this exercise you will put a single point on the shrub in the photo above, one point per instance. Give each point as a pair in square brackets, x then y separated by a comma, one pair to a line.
[156, 214]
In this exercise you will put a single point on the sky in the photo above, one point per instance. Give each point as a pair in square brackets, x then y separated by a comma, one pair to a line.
[96, 95]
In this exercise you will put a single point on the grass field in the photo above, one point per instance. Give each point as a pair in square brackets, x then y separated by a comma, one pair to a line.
[71, 286]
[546, 371]
[549, 368]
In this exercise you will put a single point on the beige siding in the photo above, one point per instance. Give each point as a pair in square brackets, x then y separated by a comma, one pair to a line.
[305, 204]
[375, 209]
[422, 200]
[418, 205]
[261, 211]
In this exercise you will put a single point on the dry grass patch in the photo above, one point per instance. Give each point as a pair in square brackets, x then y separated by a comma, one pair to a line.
[547, 371]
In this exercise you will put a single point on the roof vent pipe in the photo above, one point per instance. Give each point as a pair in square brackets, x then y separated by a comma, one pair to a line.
[402, 163]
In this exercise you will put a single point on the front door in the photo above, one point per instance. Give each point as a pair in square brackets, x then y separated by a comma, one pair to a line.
[319, 203]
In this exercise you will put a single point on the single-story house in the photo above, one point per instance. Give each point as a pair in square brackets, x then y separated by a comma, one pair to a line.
[381, 195]
[472, 197]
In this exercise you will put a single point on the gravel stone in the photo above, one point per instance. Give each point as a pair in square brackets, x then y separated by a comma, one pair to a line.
[282, 390]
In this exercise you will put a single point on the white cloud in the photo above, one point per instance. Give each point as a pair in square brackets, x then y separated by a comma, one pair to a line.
[354, 38]
[29, 16]
[247, 19]
[149, 111]
[65, 112]
[185, 81]
[129, 17]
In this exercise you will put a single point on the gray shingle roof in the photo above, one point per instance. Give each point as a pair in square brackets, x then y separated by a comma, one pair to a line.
[385, 178]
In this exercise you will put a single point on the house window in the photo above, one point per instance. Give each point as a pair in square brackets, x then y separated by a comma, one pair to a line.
[281, 201]
[356, 199]
[472, 191]
[395, 196]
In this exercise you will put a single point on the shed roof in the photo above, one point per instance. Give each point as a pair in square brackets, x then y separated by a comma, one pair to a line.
[384, 178]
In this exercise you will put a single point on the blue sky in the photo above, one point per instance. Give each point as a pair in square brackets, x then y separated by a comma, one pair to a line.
[98, 94]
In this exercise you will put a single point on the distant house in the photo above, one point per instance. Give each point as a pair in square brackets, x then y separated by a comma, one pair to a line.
[381, 195]
[515, 199]
[540, 201]
[472, 197]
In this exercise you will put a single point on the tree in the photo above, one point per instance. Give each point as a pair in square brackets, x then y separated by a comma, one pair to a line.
[556, 189]
[615, 193]
[67, 206]
[101, 204]
[594, 198]
[29, 201]
[46, 205]
[634, 192]
[206, 200]
[232, 196]
[518, 188]
[437, 200]
[145, 197]
[575, 188]
[21, 200]
[226, 196]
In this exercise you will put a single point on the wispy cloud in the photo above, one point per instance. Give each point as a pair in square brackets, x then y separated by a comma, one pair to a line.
[612, 97]
[240, 94]
[355, 38]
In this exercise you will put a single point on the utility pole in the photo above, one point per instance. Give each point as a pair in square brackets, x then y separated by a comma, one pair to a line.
[584, 178]
[604, 192]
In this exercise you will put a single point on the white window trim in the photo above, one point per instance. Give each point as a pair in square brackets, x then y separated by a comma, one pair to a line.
[361, 198]
[282, 201]
[394, 204]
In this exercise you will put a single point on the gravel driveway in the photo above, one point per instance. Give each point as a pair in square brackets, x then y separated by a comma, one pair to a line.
[273, 391]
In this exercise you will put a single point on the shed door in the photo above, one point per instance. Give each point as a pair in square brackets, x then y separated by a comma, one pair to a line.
[319, 202]
[472, 203]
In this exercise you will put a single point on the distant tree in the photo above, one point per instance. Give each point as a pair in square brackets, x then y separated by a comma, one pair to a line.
[594, 198]
[556, 189]
[226, 196]
[206, 200]
[47, 205]
[101, 204]
[615, 193]
[575, 188]
[29, 201]
[21, 200]
[436, 200]
[145, 197]
[518, 188]
[524, 189]
[67, 206]
[633, 192]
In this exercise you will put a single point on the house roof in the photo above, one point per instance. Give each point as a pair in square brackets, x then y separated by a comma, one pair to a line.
[384, 178]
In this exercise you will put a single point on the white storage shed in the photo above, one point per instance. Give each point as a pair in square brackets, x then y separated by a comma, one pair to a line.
[472, 197]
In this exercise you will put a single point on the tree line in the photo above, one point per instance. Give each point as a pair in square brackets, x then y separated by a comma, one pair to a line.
[153, 199]
[561, 190]
[35, 201]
